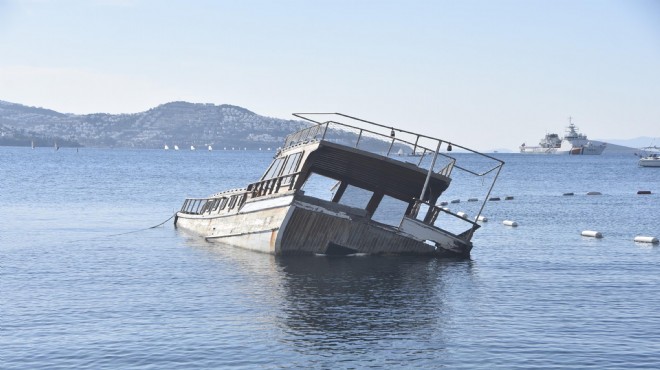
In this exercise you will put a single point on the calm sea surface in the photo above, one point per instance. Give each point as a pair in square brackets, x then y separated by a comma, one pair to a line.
[85, 284]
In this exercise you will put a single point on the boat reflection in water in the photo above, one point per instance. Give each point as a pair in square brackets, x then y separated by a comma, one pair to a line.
[346, 300]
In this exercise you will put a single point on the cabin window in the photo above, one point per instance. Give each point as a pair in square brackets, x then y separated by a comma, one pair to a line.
[319, 186]
[274, 169]
[292, 162]
[390, 211]
[356, 197]
[291, 166]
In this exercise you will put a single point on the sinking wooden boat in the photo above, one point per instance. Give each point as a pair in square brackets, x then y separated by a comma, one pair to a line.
[341, 186]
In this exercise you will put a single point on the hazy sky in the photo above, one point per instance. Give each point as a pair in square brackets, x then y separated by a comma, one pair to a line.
[486, 74]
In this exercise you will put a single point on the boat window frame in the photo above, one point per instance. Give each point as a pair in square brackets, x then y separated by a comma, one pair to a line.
[222, 202]
[296, 159]
[232, 202]
[275, 166]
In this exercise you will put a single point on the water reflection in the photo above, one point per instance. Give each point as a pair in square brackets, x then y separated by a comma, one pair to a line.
[365, 298]
[323, 301]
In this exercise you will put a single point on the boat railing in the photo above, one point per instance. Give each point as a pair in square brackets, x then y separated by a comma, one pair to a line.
[409, 149]
[431, 217]
[200, 206]
[274, 185]
[420, 150]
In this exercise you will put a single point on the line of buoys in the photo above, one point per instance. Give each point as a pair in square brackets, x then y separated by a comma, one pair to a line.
[592, 234]
[510, 223]
[646, 239]
[644, 192]
[594, 193]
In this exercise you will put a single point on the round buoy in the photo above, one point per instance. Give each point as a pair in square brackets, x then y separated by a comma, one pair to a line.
[644, 192]
[510, 223]
[568, 194]
[462, 214]
[592, 234]
[508, 197]
[594, 193]
[482, 219]
[646, 239]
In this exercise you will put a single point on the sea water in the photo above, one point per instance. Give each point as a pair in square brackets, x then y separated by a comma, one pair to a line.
[85, 282]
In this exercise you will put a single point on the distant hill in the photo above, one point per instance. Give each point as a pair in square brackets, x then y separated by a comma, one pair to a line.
[179, 123]
[638, 142]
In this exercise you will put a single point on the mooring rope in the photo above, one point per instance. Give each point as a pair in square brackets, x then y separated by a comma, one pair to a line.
[147, 228]
[128, 232]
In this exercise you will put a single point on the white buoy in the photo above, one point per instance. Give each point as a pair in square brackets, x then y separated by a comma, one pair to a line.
[592, 234]
[462, 214]
[510, 223]
[646, 239]
[594, 193]
[446, 209]
[482, 218]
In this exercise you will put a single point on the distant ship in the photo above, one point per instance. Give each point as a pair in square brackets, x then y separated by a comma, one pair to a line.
[573, 143]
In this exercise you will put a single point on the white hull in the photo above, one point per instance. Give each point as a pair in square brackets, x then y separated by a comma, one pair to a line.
[274, 226]
[649, 162]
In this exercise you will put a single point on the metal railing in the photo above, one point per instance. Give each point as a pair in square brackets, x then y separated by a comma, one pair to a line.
[385, 137]
[200, 206]
[274, 185]
[432, 215]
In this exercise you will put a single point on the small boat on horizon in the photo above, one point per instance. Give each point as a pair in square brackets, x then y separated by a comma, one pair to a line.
[651, 158]
[176, 147]
[166, 147]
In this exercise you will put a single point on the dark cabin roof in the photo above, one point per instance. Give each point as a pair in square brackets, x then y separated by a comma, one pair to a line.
[373, 172]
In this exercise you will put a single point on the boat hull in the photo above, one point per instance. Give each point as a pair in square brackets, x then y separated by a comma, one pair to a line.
[649, 162]
[299, 225]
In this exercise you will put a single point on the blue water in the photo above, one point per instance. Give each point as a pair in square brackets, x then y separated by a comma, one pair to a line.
[85, 284]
